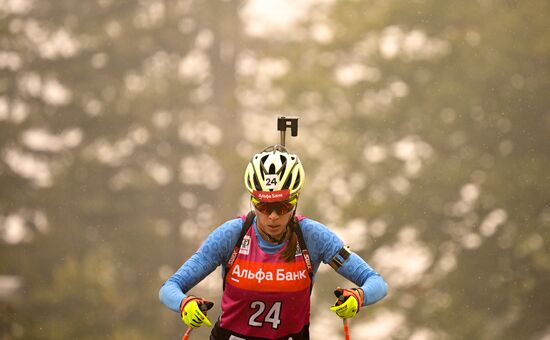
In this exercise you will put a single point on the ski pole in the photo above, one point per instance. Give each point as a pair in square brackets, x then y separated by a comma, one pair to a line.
[341, 300]
[186, 335]
[346, 329]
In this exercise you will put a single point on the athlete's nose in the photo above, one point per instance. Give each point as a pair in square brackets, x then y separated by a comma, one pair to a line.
[273, 215]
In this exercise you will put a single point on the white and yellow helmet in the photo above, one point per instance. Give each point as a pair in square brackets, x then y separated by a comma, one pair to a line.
[274, 175]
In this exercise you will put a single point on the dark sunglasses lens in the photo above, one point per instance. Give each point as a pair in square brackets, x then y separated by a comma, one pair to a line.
[280, 208]
[264, 208]
[284, 208]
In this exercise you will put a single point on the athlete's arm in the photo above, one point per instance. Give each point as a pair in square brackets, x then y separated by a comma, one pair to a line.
[215, 250]
[359, 272]
[323, 244]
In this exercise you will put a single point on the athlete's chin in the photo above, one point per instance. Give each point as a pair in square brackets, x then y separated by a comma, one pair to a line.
[274, 229]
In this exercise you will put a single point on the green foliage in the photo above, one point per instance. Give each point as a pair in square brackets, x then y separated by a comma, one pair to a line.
[103, 79]
[462, 85]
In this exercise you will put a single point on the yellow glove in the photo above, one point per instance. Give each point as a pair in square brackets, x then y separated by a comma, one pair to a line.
[349, 302]
[193, 311]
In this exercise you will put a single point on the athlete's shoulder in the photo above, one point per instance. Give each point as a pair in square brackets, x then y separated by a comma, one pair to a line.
[308, 223]
[322, 242]
[311, 227]
[230, 227]
[221, 241]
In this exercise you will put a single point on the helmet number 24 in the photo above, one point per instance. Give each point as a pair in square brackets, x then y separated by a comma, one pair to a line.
[271, 181]
[272, 316]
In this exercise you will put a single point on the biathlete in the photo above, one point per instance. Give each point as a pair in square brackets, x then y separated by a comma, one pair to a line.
[269, 259]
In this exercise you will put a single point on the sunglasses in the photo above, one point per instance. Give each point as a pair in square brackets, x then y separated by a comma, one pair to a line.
[280, 208]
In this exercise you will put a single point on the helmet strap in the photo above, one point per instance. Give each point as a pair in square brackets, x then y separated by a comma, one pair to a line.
[280, 240]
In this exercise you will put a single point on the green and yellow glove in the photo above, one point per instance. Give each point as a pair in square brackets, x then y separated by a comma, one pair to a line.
[349, 302]
[193, 311]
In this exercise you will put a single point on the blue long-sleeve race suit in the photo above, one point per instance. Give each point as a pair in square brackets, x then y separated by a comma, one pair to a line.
[322, 245]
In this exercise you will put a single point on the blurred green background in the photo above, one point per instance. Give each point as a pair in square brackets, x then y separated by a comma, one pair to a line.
[125, 128]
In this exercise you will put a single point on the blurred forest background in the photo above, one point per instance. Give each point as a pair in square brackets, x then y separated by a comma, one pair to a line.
[125, 128]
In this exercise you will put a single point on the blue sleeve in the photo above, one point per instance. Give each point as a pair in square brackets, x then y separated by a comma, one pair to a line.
[323, 244]
[359, 272]
[212, 253]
